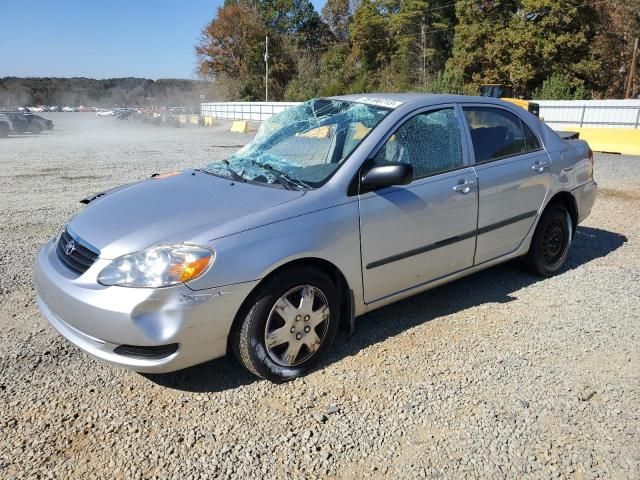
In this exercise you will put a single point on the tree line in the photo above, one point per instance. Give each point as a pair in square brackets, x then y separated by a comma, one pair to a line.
[558, 49]
[110, 92]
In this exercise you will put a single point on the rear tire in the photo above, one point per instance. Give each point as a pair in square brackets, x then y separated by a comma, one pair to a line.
[4, 130]
[287, 325]
[551, 242]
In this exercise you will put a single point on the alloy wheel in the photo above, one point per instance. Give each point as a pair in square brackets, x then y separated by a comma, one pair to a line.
[297, 325]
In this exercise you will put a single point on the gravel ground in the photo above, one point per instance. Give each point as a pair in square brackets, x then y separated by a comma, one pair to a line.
[499, 375]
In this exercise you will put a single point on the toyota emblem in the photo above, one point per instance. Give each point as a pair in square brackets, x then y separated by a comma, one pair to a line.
[70, 247]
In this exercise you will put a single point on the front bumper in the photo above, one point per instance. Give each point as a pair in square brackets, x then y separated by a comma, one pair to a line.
[99, 319]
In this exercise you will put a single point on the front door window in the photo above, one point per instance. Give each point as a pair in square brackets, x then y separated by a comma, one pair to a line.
[430, 142]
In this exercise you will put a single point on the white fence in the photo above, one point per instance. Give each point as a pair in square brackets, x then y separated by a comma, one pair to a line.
[591, 113]
[558, 114]
[257, 111]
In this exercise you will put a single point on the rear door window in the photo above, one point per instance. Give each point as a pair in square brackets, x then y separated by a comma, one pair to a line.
[497, 134]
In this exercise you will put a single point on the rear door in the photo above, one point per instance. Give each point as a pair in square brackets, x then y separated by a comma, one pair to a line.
[513, 177]
[413, 234]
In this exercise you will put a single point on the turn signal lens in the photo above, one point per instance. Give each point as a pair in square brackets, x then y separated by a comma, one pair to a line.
[190, 270]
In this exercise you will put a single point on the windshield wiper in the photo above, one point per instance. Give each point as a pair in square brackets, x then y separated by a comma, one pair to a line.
[285, 180]
[238, 177]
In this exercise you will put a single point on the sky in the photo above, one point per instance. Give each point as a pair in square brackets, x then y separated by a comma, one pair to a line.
[103, 38]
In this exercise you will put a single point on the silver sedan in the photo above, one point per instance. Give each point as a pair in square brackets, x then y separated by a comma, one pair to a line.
[337, 207]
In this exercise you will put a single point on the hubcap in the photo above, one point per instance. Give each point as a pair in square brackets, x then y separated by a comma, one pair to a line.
[297, 325]
[553, 242]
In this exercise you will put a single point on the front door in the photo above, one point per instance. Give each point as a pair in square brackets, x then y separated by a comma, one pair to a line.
[413, 234]
[513, 178]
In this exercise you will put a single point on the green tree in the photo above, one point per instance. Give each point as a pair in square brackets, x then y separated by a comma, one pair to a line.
[474, 57]
[551, 37]
[231, 51]
[559, 87]
[306, 84]
[370, 38]
[422, 39]
[524, 42]
[447, 82]
[337, 71]
[569, 47]
[294, 21]
[612, 46]
[399, 44]
[337, 16]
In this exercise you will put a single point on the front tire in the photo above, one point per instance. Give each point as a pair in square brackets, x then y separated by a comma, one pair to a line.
[551, 242]
[287, 325]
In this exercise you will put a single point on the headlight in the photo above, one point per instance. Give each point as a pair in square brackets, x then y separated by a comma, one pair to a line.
[158, 266]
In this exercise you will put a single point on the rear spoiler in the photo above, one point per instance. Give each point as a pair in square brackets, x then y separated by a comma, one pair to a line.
[568, 135]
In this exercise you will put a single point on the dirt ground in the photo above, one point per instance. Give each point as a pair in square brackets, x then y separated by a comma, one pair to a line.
[498, 375]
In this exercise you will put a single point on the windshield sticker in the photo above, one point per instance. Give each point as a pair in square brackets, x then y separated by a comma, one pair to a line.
[385, 102]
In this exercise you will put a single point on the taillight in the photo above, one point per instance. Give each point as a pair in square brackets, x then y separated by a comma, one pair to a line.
[590, 163]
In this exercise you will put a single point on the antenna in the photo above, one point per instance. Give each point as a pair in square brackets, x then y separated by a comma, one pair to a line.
[266, 68]
[423, 45]
[632, 73]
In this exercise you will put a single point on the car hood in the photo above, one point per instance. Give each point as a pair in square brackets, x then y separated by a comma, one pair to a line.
[168, 209]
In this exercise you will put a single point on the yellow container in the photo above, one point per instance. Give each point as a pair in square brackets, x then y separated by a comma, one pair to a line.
[240, 126]
[625, 141]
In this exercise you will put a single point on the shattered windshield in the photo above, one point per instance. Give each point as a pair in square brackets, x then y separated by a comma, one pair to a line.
[302, 146]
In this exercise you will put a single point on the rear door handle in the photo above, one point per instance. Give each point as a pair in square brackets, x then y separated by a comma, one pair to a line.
[464, 187]
[539, 166]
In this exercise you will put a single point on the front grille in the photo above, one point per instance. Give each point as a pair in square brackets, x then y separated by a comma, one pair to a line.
[79, 258]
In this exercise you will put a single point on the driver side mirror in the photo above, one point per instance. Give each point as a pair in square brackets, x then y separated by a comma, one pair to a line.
[388, 175]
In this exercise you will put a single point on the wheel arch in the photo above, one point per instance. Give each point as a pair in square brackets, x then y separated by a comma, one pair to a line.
[567, 200]
[347, 300]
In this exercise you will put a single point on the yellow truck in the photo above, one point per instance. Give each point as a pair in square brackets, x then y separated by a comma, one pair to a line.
[505, 92]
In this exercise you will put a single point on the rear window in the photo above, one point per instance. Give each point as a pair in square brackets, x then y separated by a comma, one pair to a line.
[531, 141]
[497, 134]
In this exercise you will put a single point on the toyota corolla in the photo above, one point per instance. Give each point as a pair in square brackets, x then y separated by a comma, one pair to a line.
[337, 207]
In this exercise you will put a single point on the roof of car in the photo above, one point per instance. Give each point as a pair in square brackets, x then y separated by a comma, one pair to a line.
[394, 100]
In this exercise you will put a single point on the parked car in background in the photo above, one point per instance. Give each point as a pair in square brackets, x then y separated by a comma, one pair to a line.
[45, 123]
[105, 113]
[54, 108]
[69, 109]
[338, 206]
[20, 123]
[5, 125]
[124, 113]
[27, 122]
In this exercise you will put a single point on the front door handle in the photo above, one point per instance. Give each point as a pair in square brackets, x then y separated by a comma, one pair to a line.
[539, 166]
[464, 187]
